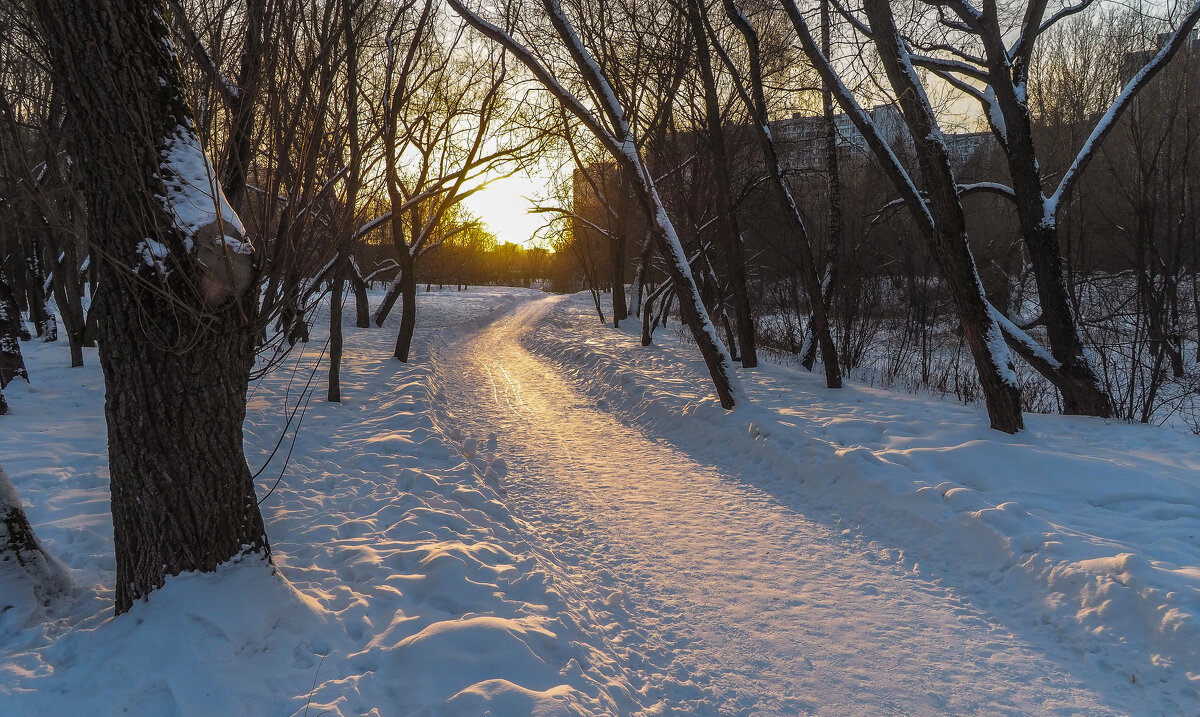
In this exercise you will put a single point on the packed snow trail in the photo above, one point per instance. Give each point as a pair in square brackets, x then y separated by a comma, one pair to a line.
[726, 601]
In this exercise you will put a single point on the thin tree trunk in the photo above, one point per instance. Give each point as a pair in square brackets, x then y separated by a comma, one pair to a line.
[342, 260]
[337, 284]
[639, 274]
[243, 110]
[731, 236]
[45, 326]
[833, 243]
[362, 305]
[806, 263]
[617, 256]
[66, 285]
[408, 307]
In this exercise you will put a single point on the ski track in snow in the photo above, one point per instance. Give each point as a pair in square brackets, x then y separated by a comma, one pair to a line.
[760, 610]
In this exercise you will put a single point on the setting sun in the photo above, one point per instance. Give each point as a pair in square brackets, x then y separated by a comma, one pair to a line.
[504, 205]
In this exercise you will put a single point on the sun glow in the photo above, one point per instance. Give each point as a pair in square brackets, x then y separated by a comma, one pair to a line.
[504, 205]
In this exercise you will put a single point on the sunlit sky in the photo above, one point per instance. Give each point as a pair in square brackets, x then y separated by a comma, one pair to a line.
[505, 203]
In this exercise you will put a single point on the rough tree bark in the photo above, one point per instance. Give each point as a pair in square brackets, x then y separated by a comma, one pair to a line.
[1080, 386]
[175, 345]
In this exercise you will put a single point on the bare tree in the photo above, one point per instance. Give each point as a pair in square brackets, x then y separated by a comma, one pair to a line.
[940, 217]
[177, 345]
[611, 127]
[444, 106]
[727, 222]
[753, 95]
[981, 57]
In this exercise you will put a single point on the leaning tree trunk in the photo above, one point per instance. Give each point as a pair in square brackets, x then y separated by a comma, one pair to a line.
[982, 333]
[727, 223]
[23, 553]
[1081, 388]
[175, 346]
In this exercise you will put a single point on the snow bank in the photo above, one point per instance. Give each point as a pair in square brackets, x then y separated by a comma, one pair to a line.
[1086, 529]
[403, 583]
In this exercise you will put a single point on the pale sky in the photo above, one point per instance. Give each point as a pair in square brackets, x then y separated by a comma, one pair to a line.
[503, 206]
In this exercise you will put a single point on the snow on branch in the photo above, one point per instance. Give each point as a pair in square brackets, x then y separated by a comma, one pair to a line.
[228, 90]
[522, 53]
[1108, 121]
[986, 187]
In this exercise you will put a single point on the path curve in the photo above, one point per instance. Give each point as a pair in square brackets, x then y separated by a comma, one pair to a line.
[722, 600]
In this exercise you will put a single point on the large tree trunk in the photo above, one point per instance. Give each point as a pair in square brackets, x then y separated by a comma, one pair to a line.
[175, 346]
[1080, 386]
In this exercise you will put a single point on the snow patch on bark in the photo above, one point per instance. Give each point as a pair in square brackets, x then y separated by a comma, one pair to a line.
[200, 211]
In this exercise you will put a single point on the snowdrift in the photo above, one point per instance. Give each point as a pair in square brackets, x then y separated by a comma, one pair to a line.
[1089, 527]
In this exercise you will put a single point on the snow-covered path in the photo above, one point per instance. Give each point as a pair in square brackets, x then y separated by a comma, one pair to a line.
[721, 598]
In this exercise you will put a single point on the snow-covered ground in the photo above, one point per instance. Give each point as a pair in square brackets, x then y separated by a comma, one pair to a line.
[540, 516]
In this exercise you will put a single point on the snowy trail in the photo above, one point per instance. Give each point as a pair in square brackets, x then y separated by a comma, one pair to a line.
[722, 599]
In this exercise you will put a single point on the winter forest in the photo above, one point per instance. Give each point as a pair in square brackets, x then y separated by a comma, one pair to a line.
[845, 358]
